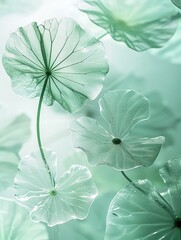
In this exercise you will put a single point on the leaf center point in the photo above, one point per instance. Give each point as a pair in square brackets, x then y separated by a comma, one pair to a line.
[178, 222]
[53, 192]
[48, 72]
[116, 141]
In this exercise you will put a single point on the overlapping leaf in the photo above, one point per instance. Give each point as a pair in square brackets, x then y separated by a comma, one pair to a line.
[172, 177]
[16, 224]
[140, 212]
[58, 56]
[93, 227]
[140, 24]
[69, 197]
[177, 3]
[113, 143]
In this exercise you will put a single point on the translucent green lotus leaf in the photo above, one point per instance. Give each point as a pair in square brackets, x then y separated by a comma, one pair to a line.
[157, 124]
[172, 49]
[69, 198]
[177, 3]
[172, 177]
[58, 56]
[14, 131]
[140, 24]
[93, 227]
[114, 144]
[123, 109]
[140, 212]
[15, 223]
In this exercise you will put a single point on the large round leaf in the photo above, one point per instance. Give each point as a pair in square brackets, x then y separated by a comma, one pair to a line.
[113, 143]
[69, 197]
[58, 56]
[139, 212]
[16, 223]
[141, 24]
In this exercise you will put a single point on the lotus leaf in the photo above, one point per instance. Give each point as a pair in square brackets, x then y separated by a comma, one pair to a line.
[140, 24]
[69, 198]
[140, 212]
[59, 57]
[113, 143]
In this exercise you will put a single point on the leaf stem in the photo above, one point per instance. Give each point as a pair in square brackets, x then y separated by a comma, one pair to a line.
[127, 178]
[38, 130]
[101, 36]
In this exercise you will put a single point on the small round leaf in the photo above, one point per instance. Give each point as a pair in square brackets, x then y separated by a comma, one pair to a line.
[114, 143]
[69, 198]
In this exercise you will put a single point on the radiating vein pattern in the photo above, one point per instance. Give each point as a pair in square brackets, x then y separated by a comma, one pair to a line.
[72, 60]
[112, 141]
[140, 212]
[70, 198]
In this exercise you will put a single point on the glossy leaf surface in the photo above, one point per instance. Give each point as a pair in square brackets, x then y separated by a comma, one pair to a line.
[113, 143]
[139, 212]
[60, 56]
[172, 177]
[69, 198]
[140, 24]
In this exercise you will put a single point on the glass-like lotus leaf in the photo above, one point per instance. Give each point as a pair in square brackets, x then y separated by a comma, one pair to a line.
[177, 3]
[15, 223]
[171, 174]
[139, 212]
[93, 227]
[113, 143]
[123, 110]
[59, 56]
[14, 131]
[157, 124]
[70, 197]
[140, 24]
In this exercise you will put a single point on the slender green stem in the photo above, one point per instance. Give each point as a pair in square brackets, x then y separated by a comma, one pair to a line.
[127, 178]
[101, 36]
[38, 130]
